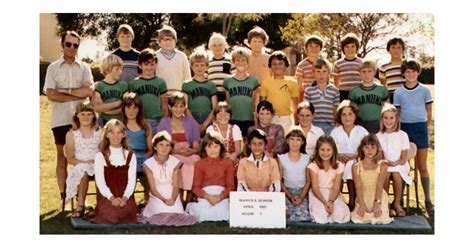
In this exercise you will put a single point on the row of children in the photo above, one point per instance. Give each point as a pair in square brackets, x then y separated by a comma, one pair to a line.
[241, 91]
[257, 172]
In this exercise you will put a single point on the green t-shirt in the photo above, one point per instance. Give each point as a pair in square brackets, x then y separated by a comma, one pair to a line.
[199, 95]
[369, 100]
[240, 93]
[149, 90]
[111, 93]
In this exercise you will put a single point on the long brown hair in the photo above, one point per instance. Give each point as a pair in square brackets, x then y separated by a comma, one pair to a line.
[295, 131]
[130, 99]
[104, 144]
[212, 138]
[317, 159]
[369, 139]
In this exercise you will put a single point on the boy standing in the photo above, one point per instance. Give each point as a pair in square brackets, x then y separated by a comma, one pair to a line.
[200, 93]
[151, 89]
[282, 93]
[324, 97]
[173, 65]
[258, 60]
[107, 98]
[305, 69]
[220, 65]
[369, 97]
[68, 82]
[415, 103]
[129, 55]
[242, 92]
[390, 73]
[347, 69]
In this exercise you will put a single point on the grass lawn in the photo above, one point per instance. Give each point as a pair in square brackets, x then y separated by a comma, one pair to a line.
[53, 221]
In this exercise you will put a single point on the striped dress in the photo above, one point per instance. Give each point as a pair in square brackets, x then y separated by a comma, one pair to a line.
[130, 63]
[323, 102]
[218, 70]
[393, 74]
[305, 70]
[348, 71]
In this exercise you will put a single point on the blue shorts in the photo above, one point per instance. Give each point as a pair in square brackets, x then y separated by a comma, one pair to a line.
[417, 133]
[327, 127]
[200, 117]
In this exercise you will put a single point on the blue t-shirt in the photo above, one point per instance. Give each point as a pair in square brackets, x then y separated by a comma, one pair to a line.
[412, 102]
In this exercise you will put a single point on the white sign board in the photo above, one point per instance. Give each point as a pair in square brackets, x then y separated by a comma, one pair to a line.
[257, 209]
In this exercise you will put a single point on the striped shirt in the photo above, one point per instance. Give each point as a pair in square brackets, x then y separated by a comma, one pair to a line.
[323, 102]
[218, 70]
[130, 63]
[393, 74]
[305, 70]
[349, 73]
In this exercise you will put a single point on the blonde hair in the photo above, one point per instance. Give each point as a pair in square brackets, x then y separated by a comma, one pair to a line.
[167, 31]
[217, 38]
[109, 62]
[368, 64]
[198, 56]
[240, 52]
[126, 29]
[104, 144]
[387, 107]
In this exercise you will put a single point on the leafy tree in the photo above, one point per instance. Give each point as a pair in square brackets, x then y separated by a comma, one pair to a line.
[333, 27]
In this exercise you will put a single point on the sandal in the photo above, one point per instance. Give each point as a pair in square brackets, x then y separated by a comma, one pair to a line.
[397, 212]
[78, 212]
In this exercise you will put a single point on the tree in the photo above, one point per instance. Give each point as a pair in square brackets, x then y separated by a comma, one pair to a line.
[333, 27]
[93, 25]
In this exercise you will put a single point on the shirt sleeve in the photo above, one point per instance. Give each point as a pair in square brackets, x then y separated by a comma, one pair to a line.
[275, 175]
[186, 69]
[242, 186]
[299, 70]
[163, 87]
[99, 163]
[49, 82]
[197, 181]
[88, 78]
[132, 177]
[236, 133]
[336, 98]
[396, 98]
[385, 93]
[405, 141]
[263, 88]
[313, 167]
[294, 89]
[428, 98]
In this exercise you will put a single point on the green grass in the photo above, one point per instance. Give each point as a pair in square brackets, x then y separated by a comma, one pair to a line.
[53, 221]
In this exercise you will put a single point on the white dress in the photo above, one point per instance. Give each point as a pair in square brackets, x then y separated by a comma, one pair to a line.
[84, 149]
[348, 145]
[163, 176]
[204, 211]
[392, 145]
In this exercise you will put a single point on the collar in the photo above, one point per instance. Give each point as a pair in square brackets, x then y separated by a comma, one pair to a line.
[252, 158]
[62, 60]
[414, 87]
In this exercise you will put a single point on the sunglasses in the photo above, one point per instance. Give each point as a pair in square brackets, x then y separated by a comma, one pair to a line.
[69, 45]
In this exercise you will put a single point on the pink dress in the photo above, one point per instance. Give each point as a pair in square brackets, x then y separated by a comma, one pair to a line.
[156, 211]
[341, 213]
[187, 170]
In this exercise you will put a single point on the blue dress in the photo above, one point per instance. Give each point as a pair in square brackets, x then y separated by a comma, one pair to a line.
[137, 143]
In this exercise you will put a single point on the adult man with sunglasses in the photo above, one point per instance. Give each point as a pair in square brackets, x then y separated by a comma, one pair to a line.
[68, 82]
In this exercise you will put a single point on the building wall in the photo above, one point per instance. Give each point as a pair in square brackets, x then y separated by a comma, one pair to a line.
[50, 48]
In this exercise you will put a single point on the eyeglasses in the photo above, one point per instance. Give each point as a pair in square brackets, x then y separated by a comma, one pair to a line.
[69, 44]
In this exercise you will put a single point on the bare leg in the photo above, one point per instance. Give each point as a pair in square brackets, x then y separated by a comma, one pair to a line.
[421, 164]
[352, 196]
[61, 168]
[397, 193]
[82, 190]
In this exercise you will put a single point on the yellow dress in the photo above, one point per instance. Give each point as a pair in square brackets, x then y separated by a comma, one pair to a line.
[369, 186]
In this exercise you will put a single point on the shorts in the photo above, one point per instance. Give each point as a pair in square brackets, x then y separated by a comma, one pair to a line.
[220, 96]
[417, 133]
[390, 95]
[371, 126]
[60, 134]
[343, 95]
[327, 127]
[243, 125]
[200, 117]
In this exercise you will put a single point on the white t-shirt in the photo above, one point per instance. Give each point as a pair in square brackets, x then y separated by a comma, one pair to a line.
[311, 138]
[393, 144]
[236, 133]
[348, 144]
